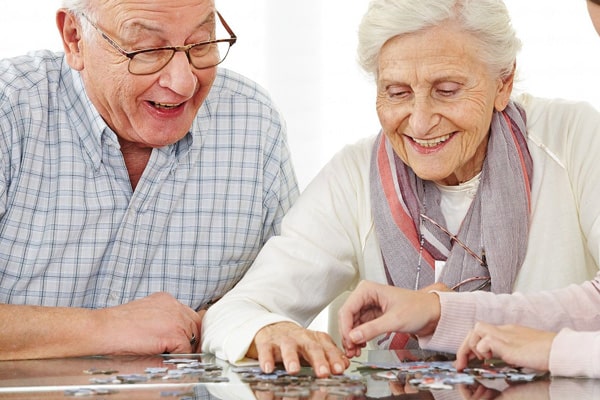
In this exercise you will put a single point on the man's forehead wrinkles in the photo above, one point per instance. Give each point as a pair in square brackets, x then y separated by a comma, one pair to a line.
[148, 26]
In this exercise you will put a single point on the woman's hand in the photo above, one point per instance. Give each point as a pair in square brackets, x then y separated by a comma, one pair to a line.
[373, 309]
[289, 343]
[514, 344]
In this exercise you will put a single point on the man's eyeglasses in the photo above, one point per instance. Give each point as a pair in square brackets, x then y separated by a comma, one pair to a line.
[149, 61]
[485, 280]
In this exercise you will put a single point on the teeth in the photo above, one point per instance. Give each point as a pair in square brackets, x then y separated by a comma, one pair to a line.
[164, 105]
[431, 142]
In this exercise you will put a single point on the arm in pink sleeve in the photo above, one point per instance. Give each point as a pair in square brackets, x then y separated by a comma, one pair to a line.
[576, 354]
[576, 307]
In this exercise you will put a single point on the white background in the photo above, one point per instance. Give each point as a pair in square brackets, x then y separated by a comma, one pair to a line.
[303, 52]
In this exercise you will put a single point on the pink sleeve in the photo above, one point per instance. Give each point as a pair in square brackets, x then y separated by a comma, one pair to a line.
[576, 307]
[575, 354]
[456, 319]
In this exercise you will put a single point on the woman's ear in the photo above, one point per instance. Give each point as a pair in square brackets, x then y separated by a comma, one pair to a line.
[72, 37]
[504, 91]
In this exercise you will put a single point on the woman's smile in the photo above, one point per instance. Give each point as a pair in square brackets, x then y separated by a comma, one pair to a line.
[432, 143]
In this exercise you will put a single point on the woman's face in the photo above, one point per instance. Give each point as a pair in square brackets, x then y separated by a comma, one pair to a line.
[435, 100]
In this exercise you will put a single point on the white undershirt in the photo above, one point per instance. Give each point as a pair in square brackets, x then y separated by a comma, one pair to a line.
[455, 202]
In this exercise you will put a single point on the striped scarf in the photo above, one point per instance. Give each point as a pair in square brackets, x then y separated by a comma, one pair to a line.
[497, 220]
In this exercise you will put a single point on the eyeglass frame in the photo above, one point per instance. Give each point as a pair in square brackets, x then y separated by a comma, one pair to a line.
[186, 49]
[482, 260]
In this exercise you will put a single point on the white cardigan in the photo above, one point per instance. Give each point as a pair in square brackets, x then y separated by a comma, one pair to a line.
[328, 242]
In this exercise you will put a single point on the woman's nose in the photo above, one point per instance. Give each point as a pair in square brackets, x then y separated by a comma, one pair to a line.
[423, 116]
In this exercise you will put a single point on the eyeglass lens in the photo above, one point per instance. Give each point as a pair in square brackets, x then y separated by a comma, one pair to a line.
[200, 56]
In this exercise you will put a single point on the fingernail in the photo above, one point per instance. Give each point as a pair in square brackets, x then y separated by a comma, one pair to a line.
[356, 336]
[293, 367]
[323, 370]
[338, 368]
[267, 368]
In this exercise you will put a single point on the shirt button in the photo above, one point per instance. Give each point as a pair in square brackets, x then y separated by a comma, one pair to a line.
[113, 297]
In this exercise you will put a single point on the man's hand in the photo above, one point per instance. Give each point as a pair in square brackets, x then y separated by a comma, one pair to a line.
[151, 325]
[516, 345]
[373, 309]
[289, 343]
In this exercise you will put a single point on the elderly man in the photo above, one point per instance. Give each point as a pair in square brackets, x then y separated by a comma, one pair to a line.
[138, 180]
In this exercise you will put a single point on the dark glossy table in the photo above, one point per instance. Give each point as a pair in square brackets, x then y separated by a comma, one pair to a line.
[79, 377]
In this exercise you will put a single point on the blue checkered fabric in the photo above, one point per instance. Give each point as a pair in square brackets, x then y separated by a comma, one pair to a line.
[72, 231]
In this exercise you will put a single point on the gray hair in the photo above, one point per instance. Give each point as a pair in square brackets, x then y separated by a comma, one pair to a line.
[487, 20]
[77, 6]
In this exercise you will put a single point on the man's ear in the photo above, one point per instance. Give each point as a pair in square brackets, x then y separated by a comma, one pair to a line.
[72, 37]
[504, 91]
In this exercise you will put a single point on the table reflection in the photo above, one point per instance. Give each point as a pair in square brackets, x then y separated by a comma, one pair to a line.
[62, 378]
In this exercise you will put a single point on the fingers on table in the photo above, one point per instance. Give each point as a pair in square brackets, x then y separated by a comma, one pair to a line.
[316, 348]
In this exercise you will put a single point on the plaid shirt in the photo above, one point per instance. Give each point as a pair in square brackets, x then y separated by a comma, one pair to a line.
[72, 231]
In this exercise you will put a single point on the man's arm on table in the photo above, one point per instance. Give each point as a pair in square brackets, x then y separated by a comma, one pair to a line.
[152, 325]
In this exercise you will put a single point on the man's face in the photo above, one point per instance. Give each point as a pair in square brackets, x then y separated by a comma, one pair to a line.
[149, 110]
[594, 10]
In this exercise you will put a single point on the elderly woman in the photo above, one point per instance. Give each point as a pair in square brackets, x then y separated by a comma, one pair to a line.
[465, 186]
[571, 315]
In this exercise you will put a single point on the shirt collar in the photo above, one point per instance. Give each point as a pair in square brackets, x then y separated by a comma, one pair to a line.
[86, 120]
[93, 130]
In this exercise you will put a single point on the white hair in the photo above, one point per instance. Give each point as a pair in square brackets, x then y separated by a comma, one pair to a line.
[78, 6]
[487, 20]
